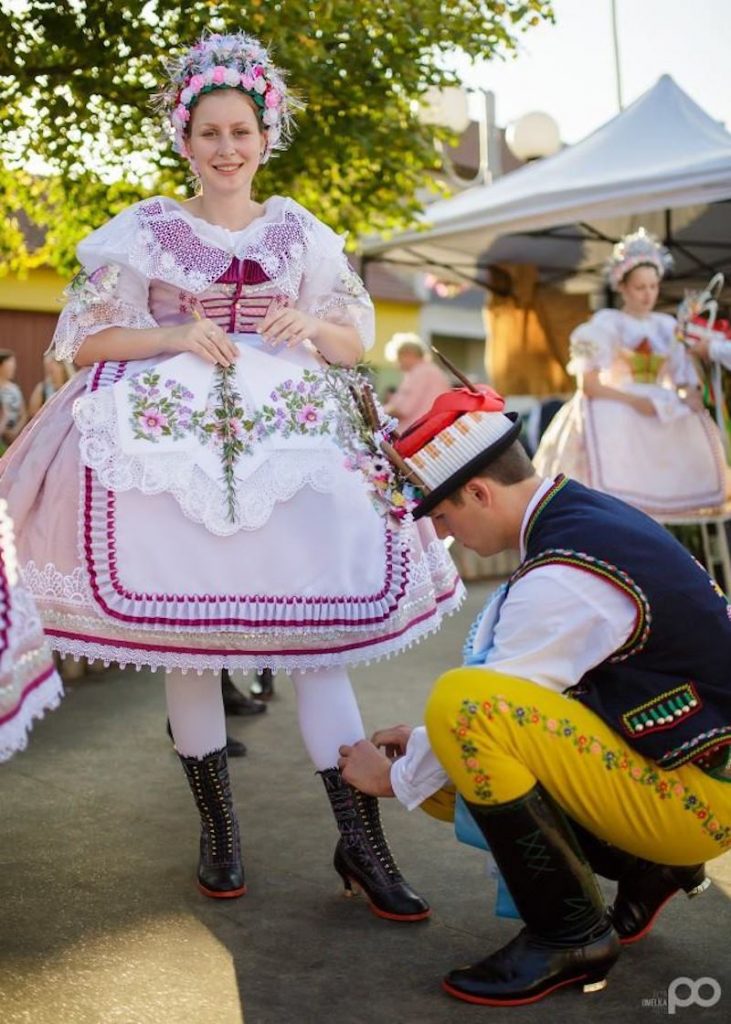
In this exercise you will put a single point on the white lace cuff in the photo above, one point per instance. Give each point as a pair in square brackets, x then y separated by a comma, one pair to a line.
[340, 309]
[107, 297]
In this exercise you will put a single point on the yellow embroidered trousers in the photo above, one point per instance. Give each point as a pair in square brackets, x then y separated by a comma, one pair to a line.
[497, 736]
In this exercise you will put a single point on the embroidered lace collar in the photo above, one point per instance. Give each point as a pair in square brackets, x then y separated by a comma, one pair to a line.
[174, 246]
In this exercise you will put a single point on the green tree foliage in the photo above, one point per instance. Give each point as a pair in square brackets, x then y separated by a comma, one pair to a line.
[78, 140]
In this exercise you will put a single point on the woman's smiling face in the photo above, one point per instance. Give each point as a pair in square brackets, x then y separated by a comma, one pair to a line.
[225, 141]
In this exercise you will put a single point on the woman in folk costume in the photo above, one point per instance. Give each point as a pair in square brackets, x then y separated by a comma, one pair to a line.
[29, 683]
[636, 427]
[186, 503]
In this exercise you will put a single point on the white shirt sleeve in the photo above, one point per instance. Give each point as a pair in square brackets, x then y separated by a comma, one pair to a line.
[720, 352]
[417, 774]
[557, 622]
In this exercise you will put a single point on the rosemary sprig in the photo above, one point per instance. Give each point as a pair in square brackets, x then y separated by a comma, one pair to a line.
[228, 412]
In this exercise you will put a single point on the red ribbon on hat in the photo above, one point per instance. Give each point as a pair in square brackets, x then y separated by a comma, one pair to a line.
[446, 409]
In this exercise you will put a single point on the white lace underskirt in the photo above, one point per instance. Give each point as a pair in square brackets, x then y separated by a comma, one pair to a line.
[74, 626]
[127, 577]
[29, 683]
[665, 464]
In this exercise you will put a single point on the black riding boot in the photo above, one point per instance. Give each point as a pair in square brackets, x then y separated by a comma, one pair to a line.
[220, 870]
[643, 887]
[568, 938]
[362, 855]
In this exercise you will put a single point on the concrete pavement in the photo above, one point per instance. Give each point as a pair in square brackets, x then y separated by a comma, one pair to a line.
[100, 922]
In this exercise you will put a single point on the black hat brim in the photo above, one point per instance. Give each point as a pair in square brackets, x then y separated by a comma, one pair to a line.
[470, 469]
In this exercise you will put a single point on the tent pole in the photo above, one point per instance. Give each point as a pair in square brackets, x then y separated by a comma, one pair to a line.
[617, 65]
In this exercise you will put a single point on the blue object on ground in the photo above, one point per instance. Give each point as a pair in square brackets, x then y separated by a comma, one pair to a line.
[467, 832]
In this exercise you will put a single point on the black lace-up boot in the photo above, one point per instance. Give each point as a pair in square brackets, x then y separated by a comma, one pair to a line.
[643, 887]
[220, 870]
[568, 938]
[362, 856]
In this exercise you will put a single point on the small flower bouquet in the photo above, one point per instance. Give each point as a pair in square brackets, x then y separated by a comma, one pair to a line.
[96, 287]
[365, 434]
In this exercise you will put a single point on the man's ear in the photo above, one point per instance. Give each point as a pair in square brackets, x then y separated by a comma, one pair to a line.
[478, 490]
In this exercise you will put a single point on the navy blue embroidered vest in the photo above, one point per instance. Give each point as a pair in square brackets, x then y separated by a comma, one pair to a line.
[667, 691]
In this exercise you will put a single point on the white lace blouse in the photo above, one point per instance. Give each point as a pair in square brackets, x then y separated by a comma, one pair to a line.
[155, 263]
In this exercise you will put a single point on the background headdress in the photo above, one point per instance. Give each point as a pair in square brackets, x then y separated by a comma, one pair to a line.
[229, 62]
[633, 251]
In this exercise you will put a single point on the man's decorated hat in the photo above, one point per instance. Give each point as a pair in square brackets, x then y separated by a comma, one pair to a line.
[464, 431]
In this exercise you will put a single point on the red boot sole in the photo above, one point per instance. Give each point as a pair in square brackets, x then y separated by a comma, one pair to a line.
[384, 913]
[398, 917]
[232, 894]
[476, 1000]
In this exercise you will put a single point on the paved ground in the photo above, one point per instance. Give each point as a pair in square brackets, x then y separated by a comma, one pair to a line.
[100, 922]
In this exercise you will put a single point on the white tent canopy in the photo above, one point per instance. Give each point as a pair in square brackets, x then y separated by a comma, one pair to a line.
[663, 153]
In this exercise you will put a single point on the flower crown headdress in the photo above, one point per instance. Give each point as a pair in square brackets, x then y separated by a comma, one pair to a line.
[229, 62]
[633, 251]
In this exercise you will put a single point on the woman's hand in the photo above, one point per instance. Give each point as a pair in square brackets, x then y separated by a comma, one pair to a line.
[643, 405]
[206, 339]
[290, 326]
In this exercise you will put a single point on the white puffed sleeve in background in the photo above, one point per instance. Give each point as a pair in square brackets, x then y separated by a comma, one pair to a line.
[680, 366]
[107, 291]
[593, 344]
[721, 353]
[331, 290]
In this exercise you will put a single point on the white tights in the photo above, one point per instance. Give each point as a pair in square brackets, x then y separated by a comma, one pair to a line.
[326, 707]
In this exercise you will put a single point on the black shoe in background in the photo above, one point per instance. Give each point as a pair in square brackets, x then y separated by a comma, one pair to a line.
[237, 703]
[234, 748]
[263, 685]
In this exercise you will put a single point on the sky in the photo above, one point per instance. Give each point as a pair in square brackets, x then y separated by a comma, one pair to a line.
[567, 69]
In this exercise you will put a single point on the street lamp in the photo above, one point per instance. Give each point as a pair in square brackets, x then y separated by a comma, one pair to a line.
[533, 136]
[448, 108]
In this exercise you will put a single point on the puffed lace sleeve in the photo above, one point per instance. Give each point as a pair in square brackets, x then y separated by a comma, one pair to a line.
[107, 291]
[593, 343]
[331, 289]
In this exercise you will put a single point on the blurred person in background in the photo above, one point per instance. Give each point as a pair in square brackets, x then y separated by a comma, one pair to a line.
[13, 415]
[422, 380]
[55, 375]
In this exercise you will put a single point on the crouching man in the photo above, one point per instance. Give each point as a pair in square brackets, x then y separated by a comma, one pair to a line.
[590, 727]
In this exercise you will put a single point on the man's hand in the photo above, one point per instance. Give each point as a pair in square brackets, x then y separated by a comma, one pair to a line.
[701, 347]
[692, 398]
[366, 768]
[393, 739]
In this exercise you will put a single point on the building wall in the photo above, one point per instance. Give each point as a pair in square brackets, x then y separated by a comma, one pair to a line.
[29, 309]
[39, 292]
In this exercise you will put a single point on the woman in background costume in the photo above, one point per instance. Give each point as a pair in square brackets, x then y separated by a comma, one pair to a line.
[636, 427]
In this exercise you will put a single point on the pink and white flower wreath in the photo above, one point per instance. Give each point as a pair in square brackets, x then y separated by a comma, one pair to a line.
[638, 249]
[229, 62]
